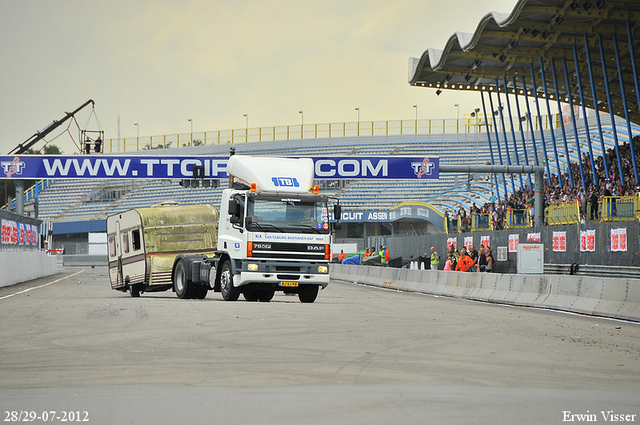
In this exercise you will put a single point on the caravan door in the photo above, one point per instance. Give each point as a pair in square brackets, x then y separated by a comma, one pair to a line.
[115, 255]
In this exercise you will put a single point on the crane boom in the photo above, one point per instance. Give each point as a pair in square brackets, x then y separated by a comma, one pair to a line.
[24, 146]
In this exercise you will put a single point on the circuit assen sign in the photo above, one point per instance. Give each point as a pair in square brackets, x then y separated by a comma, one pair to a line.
[181, 167]
[415, 211]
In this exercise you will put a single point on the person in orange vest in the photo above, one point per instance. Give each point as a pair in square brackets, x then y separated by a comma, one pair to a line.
[342, 256]
[384, 255]
[464, 262]
[366, 253]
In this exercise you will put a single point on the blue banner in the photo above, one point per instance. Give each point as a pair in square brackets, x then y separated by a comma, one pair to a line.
[377, 167]
[33, 167]
[109, 167]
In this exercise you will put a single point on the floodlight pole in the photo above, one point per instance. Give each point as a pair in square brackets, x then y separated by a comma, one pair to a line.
[507, 169]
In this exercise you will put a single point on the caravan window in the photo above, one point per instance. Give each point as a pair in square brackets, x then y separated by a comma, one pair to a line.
[135, 235]
[125, 242]
[112, 246]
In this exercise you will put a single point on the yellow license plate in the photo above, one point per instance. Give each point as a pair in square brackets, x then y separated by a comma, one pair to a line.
[290, 284]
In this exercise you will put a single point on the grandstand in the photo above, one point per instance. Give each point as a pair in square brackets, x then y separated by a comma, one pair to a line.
[78, 200]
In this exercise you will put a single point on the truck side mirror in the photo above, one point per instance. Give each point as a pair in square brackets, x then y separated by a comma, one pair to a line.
[234, 211]
[337, 215]
[337, 212]
[234, 207]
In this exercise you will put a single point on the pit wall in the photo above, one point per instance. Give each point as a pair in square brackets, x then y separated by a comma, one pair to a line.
[21, 266]
[602, 255]
[614, 298]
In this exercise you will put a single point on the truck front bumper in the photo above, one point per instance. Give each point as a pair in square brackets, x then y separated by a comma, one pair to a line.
[275, 273]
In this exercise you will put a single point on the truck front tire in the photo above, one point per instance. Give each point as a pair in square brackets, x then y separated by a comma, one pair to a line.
[229, 292]
[308, 293]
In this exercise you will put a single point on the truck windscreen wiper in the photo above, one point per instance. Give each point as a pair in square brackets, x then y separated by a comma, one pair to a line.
[315, 229]
[267, 226]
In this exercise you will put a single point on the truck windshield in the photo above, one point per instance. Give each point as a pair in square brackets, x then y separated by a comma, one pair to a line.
[288, 216]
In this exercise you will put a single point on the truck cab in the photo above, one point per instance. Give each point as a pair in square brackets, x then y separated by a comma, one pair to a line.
[274, 229]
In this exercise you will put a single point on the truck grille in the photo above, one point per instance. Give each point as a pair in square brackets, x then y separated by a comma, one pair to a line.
[288, 251]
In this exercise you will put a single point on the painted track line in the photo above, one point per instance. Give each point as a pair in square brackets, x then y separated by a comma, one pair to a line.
[41, 286]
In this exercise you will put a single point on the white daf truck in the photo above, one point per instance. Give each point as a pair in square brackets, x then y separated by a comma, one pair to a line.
[273, 234]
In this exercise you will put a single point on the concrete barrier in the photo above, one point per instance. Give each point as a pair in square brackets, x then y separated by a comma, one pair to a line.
[615, 298]
[21, 266]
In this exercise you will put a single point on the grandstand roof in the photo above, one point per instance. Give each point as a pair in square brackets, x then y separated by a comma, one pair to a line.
[506, 45]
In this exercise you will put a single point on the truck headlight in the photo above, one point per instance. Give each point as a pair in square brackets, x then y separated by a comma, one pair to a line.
[323, 269]
[252, 267]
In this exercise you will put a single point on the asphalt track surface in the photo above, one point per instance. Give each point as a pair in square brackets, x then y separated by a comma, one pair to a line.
[358, 355]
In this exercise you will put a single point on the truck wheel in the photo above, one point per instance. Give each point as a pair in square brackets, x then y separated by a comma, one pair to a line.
[135, 290]
[308, 293]
[181, 285]
[266, 295]
[201, 292]
[250, 293]
[229, 292]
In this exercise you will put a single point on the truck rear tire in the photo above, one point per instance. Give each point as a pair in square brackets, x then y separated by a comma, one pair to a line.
[229, 292]
[181, 284]
[201, 292]
[308, 293]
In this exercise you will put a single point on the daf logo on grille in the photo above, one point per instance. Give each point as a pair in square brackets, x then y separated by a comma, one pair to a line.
[315, 248]
[261, 246]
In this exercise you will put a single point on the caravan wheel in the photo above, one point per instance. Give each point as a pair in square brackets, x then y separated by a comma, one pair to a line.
[135, 290]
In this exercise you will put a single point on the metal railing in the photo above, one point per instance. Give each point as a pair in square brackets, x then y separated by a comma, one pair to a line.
[620, 208]
[481, 222]
[517, 219]
[465, 125]
[564, 213]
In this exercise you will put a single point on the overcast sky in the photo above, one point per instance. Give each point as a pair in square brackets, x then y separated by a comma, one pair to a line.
[162, 62]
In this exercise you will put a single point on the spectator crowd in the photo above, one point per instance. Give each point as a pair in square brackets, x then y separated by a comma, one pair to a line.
[558, 190]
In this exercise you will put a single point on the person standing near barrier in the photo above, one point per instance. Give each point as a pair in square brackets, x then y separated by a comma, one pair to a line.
[464, 262]
[447, 264]
[593, 199]
[474, 256]
[490, 260]
[435, 259]
[366, 253]
[381, 254]
[384, 254]
[342, 256]
[482, 260]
